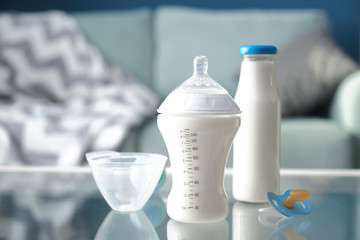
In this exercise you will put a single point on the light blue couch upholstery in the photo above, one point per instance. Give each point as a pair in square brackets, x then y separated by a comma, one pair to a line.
[158, 46]
[124, 37]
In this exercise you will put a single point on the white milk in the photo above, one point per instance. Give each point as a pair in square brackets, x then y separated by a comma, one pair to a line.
[198, 147]
[256, 165]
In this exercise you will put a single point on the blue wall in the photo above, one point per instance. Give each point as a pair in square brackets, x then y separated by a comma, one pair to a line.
[344, 14]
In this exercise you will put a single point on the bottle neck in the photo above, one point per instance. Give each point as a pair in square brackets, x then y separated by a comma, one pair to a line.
[258, 67]
[258, 57]
[257, 73]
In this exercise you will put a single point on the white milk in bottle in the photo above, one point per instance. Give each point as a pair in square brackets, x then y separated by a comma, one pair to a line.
[256, 163]
[198, 122]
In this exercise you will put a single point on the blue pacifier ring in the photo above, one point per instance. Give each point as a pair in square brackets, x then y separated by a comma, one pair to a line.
[299, 208]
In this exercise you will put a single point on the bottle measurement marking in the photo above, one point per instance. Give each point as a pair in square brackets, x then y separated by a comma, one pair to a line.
[189, 143]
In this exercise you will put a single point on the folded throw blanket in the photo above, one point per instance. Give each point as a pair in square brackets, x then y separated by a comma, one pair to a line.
[59, 97]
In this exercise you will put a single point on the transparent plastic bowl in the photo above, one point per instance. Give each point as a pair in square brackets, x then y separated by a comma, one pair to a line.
[126, 180]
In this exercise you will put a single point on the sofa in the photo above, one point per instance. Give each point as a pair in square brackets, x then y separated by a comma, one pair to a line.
[320, 125]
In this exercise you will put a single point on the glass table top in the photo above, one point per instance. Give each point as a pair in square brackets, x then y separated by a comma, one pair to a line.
[56, 204]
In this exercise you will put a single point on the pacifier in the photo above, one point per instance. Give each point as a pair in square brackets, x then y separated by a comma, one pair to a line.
[291, 202]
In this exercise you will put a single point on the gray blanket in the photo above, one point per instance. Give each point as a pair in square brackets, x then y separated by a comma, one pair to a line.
[58, 96]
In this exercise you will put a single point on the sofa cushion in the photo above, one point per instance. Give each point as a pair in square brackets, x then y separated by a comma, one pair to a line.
[315, 143]
[308, 70]
[305, 143]
[125, 37]
[345, 108]
[182, 33]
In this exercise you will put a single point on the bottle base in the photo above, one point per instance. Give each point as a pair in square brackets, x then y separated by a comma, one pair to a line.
[250, 199]
[196, 219]
[256, 201]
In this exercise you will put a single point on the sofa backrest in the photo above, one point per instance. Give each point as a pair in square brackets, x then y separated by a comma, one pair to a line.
[158, 46]
[124, 37]
[182, 33]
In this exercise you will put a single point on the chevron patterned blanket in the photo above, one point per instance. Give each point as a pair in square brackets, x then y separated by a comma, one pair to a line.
[59, 97]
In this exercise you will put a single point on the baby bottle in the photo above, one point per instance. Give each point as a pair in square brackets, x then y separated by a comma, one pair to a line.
[198, 122]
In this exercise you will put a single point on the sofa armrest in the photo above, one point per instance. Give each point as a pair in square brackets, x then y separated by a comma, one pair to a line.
[345, 108]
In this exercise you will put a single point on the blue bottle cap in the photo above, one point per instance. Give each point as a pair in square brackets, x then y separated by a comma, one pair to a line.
[257, 49]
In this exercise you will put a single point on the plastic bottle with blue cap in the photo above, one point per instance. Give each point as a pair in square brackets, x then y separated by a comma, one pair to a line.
[198, 122]
[256, 162]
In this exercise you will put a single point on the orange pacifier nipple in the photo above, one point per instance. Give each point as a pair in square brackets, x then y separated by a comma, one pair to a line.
[296, 195]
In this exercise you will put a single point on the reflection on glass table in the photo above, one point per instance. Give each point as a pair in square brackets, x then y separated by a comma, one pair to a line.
[66, 204]
[207, 231]
[251, 222]
[134, 224]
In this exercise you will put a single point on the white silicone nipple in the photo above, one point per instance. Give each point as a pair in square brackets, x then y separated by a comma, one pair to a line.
[200, 81]
[199, 94]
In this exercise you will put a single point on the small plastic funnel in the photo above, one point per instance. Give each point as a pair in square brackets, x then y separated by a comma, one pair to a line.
[126, 180]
